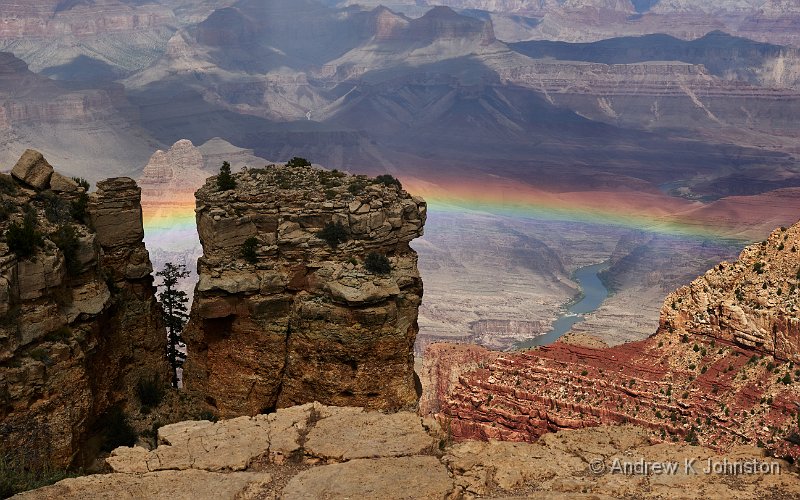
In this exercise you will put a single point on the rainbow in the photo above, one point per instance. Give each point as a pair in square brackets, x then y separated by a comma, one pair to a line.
[651, 212]
[170, 226]
[173, 222]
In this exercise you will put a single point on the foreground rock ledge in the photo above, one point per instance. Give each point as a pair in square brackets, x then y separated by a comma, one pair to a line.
[302, 320]
[315, 451]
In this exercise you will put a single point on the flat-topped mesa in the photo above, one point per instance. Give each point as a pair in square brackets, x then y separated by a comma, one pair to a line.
[282, 316]
[79, 323]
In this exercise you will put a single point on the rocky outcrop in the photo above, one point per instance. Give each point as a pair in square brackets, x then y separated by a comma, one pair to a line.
[80, 324]
[297, 453]
[752, 303]
[720, 371]
[301, 319]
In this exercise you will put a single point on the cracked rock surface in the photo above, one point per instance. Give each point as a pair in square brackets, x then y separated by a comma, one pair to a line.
[315, 451]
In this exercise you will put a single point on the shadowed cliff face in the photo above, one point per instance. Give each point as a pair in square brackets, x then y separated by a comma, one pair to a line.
[301, 320]
[80, 323]
[721, 369]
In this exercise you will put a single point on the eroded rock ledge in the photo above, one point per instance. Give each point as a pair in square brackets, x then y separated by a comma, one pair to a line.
[301, 320]
[316, 451]
[79, 323]
[721, 370]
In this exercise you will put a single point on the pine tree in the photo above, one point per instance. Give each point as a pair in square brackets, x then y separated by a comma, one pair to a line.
[173, 304]
[225, 180]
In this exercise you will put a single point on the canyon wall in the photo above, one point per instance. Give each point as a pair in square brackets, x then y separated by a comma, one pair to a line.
[296, 319]
[80, 324]
[719, 371]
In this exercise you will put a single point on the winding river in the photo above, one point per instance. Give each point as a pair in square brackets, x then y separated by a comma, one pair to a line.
[593, 294]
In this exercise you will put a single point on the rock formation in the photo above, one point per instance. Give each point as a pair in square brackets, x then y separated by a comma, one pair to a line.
[300, 319]
[721, 370]
[168, 183]
[80, 324]
[316, 451]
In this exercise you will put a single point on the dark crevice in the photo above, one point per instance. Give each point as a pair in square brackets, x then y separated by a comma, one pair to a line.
[284, 368]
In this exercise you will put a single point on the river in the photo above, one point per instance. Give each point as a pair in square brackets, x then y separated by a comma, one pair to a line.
[593, 294]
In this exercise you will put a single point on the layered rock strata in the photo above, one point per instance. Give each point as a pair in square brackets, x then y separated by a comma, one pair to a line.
[80, 323]
[720, 371]
[300, 319]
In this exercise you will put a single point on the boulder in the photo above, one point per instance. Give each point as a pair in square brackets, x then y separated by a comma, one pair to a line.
[60, 183]
[33, 170]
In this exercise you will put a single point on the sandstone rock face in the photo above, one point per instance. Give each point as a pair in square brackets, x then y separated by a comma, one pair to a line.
[33, 170]
[752, 302]
[270, 456]
[304, 320]
[720, 371]
[80, 321]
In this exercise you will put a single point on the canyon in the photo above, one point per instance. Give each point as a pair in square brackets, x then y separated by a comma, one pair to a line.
[719, 371]
[442, 98]
[268, 325]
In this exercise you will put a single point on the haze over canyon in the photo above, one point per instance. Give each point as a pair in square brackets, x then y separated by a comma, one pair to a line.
[655, 136]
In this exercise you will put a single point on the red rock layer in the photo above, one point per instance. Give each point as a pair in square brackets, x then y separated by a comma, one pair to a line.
[720, 370]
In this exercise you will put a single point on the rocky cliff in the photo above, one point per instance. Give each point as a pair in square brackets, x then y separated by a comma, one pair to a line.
[280, 316]
[80, 323]
[720, 370]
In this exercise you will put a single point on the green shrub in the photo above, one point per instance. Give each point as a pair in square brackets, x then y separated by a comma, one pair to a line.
[80, 181]
[56, 209]
[388, 180]
[377, 263]
[7, 184]
[249, 248]
[356, 187]
[225, 181]
[297, 161]
[150, 391]
[116, 431]
[66, 239]
[333, 234]
[16, 476]
[24, 239]
[79, 207]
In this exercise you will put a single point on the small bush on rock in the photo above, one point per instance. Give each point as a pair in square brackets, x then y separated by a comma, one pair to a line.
[298, 162]
[80, 181]
[79, 207]
[377, 263]
[225, 181]
[333, 234]
[249, 248]
[150, 392]
[17, 476]
[66, 239]
[24, 239]
[388, 180]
